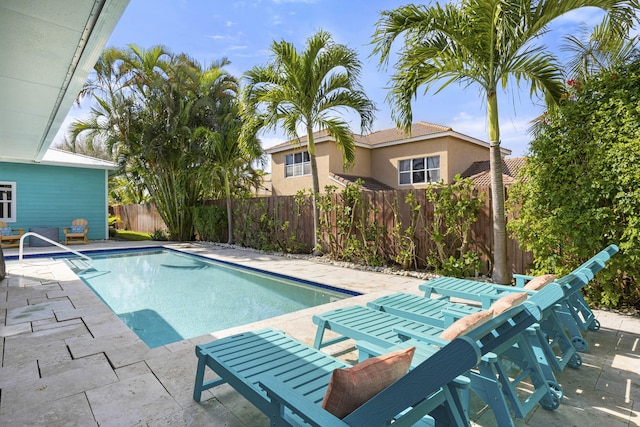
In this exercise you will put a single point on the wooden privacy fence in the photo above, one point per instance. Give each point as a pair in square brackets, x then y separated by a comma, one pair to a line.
[145, 218]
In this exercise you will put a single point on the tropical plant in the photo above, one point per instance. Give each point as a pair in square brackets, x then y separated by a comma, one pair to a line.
[485, 42]
[233, 158]
[157, 113]
[592, 52]
[308, 90]
[456, 208]
[404, 236]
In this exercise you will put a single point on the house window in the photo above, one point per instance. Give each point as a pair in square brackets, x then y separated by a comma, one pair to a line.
[7, 201]
[297, 164]
[419, 171]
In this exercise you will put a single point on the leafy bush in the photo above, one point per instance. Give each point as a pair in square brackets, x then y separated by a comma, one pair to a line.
[210, 223]
[160, 235]
[582, 186]
[357, 237]
[258, 226]
[133, 235]
[455, 210]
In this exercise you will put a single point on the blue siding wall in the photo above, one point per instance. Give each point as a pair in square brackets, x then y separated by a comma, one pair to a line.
[53, 196]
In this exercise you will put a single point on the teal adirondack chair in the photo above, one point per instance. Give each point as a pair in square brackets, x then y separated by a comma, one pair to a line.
[287, 380]
[490, 380]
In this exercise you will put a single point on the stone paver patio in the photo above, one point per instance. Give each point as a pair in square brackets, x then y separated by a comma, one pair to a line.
[67, 360]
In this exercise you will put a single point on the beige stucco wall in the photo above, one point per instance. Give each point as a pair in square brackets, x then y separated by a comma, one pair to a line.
[463, 154]
[455, 157]
[381, 163]
[361, 167]
[329, 159]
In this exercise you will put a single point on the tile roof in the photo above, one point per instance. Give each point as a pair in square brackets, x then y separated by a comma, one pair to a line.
[479, 172]
[395, 134]
[418, 129]
[370, 184]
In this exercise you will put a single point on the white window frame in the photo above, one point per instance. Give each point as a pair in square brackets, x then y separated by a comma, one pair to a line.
[407, 168]
[297, 164]
[8, 203]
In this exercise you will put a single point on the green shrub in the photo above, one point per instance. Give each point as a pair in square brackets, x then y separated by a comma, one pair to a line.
[582, 186]
[210, 223]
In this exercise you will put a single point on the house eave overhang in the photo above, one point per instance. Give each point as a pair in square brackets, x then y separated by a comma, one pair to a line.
[48, 50]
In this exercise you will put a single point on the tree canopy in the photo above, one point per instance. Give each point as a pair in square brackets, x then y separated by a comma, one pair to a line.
[157, 113]
[309, 90]
[484, 43]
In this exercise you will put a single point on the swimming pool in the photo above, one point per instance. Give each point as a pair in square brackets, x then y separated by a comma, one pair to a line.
[166, 296]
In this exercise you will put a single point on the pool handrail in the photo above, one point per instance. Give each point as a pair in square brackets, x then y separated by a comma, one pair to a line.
[53, 242]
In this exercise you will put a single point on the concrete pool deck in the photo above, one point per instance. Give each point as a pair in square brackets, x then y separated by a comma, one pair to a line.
[68, 360]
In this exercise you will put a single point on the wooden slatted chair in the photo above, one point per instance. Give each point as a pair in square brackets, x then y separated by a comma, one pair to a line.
[77, 233]
[10, 237]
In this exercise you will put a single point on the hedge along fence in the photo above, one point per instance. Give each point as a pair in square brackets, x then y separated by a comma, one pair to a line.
[375, 236]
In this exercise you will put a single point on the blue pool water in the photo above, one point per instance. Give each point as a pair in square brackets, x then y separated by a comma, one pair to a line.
[166, 296]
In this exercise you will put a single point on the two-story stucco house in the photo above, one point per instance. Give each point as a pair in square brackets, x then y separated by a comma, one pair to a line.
[386, 159]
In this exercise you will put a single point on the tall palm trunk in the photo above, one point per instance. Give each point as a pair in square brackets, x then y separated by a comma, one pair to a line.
[311, 147]
[227, 190]
[501, 273]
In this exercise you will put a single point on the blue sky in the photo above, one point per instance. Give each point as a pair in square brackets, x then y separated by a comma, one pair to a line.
[242, 31]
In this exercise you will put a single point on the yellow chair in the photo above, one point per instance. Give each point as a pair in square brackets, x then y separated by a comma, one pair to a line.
[77, 233]
[9, 235]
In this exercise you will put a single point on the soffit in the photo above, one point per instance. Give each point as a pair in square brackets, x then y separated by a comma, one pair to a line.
[48, 49]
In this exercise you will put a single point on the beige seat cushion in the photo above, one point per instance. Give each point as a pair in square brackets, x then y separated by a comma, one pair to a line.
[539, 282]
[466, 324]
[505, 303]
[349, 388]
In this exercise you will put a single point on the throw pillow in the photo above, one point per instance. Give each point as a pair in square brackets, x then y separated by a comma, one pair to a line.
[539, 282]
[77, 229]
[349, 388]
[6, 231]
[505, 303]
[466, 324]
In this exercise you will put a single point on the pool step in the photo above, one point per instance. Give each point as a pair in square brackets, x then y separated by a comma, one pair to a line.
[80, 266]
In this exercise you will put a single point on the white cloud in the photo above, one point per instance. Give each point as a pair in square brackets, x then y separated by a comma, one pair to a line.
[514, 131]
[270, 141]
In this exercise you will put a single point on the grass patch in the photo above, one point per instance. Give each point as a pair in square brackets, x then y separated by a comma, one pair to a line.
[132, 235]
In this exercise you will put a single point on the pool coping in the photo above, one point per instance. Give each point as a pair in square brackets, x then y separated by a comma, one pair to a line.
[74, 362]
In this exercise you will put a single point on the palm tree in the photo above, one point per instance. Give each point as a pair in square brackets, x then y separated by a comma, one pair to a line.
[149, 104]
[596, 51]
[231, 158]
[309, 89]
[485, 42]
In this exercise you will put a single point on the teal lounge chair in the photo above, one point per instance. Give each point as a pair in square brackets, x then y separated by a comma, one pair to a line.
[548, 338]
[570, 309]
[287, 381]
[490, 380]
[576, 304]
